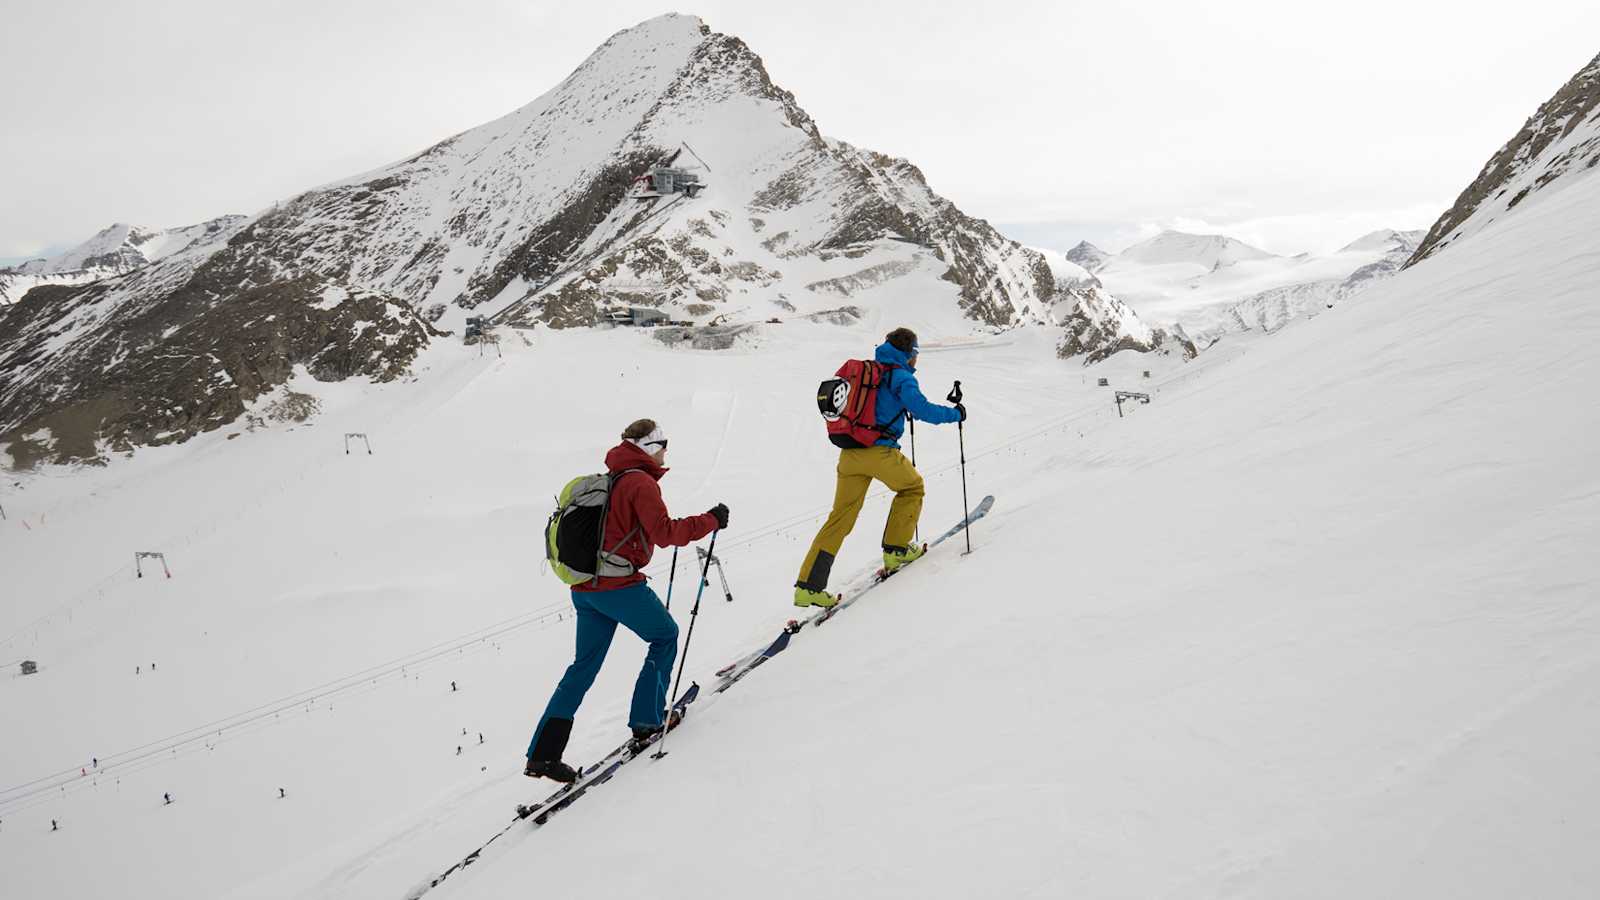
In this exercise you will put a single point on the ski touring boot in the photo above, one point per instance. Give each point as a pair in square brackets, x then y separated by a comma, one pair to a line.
[896, 558]
[553, 769]
[645, 736]
[544, 758]
[808, 597]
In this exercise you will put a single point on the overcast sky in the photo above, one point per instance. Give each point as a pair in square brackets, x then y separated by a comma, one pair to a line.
[1294, 126]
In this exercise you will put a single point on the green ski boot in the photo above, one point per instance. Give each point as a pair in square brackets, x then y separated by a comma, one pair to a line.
[894, 560]
[809, 597]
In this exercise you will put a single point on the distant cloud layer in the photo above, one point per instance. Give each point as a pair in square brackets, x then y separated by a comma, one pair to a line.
[1275, 123]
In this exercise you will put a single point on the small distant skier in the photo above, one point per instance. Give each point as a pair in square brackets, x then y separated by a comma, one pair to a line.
[859, 467]
[54, 826]
[458, 749]
[95, 761]
[167, 798]
[282, 793]
[452, 687]
[636, 523]
[480, 737]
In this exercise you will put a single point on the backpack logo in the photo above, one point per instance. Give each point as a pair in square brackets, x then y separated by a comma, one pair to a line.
[849, 403]
[832, 397]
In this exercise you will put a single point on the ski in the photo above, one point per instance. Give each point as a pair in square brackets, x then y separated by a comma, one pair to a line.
[600, 772]
[591, 776]
[855, 588]
[732, 672]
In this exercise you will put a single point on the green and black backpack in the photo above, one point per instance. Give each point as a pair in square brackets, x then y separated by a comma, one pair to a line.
[573, 536]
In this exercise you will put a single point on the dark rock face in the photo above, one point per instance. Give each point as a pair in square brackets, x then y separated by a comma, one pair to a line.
[151, 364]
[879, 197]
[1096, 327]
[1562, 136]
[548, 247]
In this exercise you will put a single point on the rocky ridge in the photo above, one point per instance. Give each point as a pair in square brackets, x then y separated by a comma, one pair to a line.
[1560, 140]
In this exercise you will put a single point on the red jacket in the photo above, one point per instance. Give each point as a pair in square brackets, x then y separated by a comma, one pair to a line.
[636, 503]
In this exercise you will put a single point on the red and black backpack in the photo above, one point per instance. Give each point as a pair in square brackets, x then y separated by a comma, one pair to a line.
[849, 403]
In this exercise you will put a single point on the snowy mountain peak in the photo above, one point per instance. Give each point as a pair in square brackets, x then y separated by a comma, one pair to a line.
[1244, 289]
[1088, 256]
[1177, 247]
[1383, 240]
[554, 214]
[1558, 145]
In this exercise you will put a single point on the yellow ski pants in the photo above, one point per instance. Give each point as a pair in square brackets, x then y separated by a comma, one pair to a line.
[857, 469]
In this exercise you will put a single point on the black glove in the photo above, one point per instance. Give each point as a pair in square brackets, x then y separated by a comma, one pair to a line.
[720, 513]
[963, 411]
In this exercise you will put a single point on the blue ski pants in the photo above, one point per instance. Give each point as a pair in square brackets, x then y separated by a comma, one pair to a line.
[637, 609]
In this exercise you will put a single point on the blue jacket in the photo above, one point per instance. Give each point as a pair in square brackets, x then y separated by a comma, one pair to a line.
[899, 393]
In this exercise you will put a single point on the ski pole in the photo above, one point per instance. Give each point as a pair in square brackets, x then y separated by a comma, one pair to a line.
[694, 614]
[966, 513]
[911, 423]
[672, 575]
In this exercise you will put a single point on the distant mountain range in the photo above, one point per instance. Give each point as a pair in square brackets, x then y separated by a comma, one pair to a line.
[1213, 285]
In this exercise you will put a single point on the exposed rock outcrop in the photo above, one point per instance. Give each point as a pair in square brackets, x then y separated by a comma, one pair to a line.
[1561, 139]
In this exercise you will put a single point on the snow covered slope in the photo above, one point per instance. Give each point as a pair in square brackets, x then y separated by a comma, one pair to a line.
[531, 218]
[1319, 621]
[1066, 272]
[112, 251]
[122, 247]
[1199, 252]
[1559, 143]
[14, 284]
[1377, 256]
[1213, 285]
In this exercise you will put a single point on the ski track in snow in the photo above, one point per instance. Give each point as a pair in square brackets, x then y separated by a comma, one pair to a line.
[1316, 622]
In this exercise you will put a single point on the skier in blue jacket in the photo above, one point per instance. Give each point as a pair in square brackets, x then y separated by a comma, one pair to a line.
[883, 461]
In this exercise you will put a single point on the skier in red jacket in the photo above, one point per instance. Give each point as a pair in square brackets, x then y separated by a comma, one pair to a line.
[636, 523]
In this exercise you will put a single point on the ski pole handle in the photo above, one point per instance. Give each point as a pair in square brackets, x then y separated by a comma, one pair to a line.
[955, 393]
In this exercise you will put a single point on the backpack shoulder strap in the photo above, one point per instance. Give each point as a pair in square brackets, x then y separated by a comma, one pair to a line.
[605, 516]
